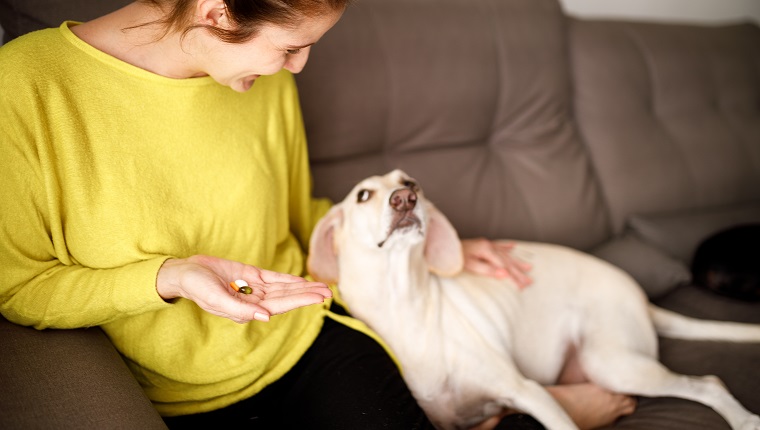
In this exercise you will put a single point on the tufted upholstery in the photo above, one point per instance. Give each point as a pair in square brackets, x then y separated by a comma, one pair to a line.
[670, 113]
[492, 129]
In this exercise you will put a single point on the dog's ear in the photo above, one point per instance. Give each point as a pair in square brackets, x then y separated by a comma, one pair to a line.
[322, 263]
[443, 250]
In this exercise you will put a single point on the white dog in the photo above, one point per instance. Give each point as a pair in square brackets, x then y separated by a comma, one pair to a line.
[473, 346]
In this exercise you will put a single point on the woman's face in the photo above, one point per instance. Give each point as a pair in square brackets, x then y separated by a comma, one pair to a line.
[274, 48]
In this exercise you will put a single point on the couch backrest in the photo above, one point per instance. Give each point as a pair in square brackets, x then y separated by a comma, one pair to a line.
[479, 100]
[670, 113]
[18, 17]
[471, 97]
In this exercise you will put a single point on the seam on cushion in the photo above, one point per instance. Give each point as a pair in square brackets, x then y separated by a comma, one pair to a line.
[499, 43]
[383, 54]
[570, 25]
[646, 55]
[713, 98]
[505, 175]
[739, 140]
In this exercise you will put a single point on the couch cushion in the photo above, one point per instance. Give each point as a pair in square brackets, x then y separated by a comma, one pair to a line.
[679, 233]
[656, 249]
[18, 17]
[42, 371]
[656, 272]
[735, 364]
[472, 97]
[670, 113]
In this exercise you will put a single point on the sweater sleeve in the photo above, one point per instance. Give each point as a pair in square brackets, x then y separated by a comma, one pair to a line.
[41, 284]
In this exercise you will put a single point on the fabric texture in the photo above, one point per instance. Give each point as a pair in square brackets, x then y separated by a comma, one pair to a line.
[18, 17]
[656, 272]
[345, 381]
[679, 233]
[669, 113]
[100, 200]
[492, 131]
[44, 372]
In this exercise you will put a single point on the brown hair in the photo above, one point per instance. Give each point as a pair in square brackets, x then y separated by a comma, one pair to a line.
[246, 15]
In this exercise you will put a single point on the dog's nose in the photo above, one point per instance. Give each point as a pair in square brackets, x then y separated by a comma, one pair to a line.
[403, 200]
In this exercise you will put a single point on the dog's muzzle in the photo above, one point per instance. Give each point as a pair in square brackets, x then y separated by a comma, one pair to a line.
[402, 201]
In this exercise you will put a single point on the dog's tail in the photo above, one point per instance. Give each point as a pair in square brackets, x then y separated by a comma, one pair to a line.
[673, 325]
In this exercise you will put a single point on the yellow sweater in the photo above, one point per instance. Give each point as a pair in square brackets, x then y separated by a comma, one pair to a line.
[107, 170]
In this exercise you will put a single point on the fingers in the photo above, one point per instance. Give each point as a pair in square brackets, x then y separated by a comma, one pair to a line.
[269, 277]
[290, 302]
[485, 268]
[518, 272]
[276, 290]
[245, 308]
[235, 308]
[506, 248]
[206, 281]
[278, 298]
[497, 260]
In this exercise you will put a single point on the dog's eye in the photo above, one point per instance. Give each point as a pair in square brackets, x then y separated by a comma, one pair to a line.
[409, 184]
[363, 195]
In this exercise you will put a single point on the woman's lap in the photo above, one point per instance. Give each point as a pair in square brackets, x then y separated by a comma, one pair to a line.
[345, 380]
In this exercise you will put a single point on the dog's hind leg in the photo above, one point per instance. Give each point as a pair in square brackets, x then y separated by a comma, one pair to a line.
[531, 398]
[636, 374]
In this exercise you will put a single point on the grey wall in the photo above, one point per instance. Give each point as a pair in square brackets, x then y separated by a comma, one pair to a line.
[698, 11]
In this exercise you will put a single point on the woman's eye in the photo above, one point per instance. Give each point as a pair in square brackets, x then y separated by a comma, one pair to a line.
[363, 196]
[294, 51]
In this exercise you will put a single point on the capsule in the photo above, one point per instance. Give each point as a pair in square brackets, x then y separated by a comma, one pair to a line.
[240, 286]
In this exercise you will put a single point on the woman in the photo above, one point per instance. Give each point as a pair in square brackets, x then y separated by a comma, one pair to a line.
[151, 157]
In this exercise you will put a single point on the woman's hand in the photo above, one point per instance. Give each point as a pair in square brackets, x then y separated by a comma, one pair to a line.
[205, 280]
[495, 259]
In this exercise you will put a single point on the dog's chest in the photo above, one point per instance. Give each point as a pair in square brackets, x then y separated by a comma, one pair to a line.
[440, 330]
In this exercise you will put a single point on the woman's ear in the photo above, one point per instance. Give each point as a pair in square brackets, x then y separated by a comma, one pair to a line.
[443, 249]
[213, 13]
[322, 263]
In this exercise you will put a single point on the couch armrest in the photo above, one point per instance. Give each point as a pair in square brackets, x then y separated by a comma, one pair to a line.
[68, 379]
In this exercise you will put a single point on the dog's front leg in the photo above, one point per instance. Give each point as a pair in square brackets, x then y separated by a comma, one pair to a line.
[531, 398]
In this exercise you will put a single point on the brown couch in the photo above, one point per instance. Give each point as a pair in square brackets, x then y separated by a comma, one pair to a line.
[630, 140]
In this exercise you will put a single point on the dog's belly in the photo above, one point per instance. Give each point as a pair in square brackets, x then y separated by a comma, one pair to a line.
[576, 299]
[511, 324]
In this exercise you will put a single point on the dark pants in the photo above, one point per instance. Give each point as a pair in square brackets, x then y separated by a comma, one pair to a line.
[344, 381]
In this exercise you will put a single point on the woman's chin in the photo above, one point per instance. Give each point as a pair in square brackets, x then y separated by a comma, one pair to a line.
[245, 84]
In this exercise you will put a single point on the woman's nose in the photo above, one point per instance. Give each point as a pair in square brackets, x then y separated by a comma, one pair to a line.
[296, 62]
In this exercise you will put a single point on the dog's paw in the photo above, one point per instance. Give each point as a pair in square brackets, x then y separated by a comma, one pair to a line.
[752, 423]
[715, 380]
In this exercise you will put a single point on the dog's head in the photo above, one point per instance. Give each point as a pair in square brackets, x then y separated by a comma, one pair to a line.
[384, 214]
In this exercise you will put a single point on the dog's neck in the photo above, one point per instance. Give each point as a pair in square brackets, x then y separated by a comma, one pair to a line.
[384, 275]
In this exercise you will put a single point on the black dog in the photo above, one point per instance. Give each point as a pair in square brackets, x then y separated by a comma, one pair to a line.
[728, 263]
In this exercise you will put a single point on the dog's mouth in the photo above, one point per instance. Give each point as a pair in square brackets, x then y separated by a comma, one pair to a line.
[405, 221]
[402, 221]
